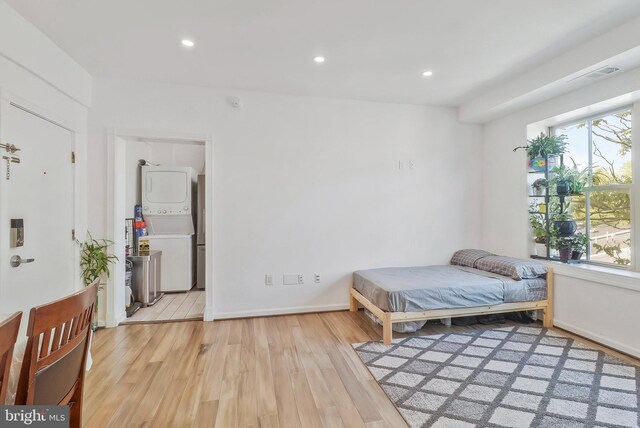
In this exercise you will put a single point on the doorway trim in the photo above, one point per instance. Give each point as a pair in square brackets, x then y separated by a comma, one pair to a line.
[116, 213]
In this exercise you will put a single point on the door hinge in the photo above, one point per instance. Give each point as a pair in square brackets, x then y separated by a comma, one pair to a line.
[73, 157]
[73, 234]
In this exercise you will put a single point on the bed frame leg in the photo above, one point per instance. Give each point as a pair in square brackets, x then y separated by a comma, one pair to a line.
[547, 320]
[387, 331]
[353, 303]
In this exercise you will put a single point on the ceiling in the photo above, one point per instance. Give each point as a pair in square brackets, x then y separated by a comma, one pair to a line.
[374, 49]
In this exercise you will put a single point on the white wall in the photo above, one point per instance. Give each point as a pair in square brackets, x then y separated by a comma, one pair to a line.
[38, 75]
[23, 44]
[161, 153]
[305, 185]
[593, 308]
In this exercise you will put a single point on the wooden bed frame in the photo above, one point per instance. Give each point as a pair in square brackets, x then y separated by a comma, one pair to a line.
[389, 318]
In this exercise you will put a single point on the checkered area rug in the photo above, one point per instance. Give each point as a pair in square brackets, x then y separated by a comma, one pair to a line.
[504, 377]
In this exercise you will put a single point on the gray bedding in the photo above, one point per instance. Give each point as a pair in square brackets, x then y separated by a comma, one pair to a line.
[410, 289]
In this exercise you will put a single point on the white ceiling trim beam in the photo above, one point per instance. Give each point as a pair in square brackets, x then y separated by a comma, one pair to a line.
[25, 45]
[619, 47]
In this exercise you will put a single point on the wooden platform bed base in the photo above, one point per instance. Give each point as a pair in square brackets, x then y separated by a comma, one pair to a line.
[389, 318]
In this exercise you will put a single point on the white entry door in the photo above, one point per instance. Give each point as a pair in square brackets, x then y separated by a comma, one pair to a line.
[40, 191]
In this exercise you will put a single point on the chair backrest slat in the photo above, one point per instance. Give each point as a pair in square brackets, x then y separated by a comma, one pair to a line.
[9, 329]
[53, 364]
[45, 344]
[57, 335]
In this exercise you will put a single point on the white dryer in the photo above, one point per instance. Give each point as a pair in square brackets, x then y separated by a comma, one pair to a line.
[168, 199]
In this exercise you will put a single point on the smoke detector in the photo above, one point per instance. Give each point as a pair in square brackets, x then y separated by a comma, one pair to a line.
[235, 102]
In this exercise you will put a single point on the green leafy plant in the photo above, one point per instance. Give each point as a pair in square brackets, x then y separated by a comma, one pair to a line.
[580, 242]
[545, 145]
[557, 241]
[537, 224]
[565, 216]
[95, 258]
[576, 178]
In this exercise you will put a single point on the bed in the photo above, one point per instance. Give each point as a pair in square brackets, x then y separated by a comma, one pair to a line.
[476, 283]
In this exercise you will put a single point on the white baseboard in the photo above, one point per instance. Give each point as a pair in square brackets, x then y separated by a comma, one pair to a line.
[278, 311]
[114, 319]
[614, 344]
[208, 314]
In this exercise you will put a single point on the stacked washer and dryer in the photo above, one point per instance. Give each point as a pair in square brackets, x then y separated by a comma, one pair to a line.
[169, 206]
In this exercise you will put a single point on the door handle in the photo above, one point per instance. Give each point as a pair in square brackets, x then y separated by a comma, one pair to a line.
[17, 261]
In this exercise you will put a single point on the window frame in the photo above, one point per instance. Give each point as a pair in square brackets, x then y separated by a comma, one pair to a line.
[632, 188]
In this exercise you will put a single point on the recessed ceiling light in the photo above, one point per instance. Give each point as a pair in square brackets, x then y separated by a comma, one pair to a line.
[319, 59]
[427, 73]
[188, 43]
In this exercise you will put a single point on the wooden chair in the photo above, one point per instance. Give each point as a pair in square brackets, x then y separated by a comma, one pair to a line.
[54, 359]
[8, 335]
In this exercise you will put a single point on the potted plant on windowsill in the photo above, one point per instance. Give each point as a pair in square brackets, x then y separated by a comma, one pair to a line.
[579, 245]
[562, 244]
[543, 146]
[539, 186]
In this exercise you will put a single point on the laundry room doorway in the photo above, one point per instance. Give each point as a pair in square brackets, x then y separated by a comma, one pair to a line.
[159, 221]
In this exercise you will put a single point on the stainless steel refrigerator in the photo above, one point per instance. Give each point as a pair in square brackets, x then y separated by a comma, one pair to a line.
[200, 234]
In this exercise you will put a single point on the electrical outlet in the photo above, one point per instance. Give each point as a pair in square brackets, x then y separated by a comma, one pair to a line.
[300, 279]
[268, 280]
[290, 279]
[316, 278]
[411, 164]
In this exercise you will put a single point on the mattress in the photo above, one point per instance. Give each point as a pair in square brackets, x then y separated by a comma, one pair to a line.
[413, 289]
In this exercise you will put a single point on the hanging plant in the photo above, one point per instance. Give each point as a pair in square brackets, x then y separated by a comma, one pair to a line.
[545, 145]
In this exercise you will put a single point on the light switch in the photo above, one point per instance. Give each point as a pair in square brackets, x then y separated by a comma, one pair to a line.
[290, 279]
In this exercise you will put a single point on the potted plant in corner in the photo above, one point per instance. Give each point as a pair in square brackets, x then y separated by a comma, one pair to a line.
[538, 186]
[95, 261]
[543, 147]
[579, 245]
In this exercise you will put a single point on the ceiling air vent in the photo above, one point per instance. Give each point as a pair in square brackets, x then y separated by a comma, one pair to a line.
[601, 72]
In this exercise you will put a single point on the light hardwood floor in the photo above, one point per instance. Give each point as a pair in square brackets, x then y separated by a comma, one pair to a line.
[172, 307]
[285, 371]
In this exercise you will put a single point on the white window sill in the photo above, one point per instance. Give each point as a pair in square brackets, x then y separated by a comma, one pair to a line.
[599, 274]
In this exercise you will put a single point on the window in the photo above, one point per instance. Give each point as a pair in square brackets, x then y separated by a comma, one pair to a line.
[601, 146]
